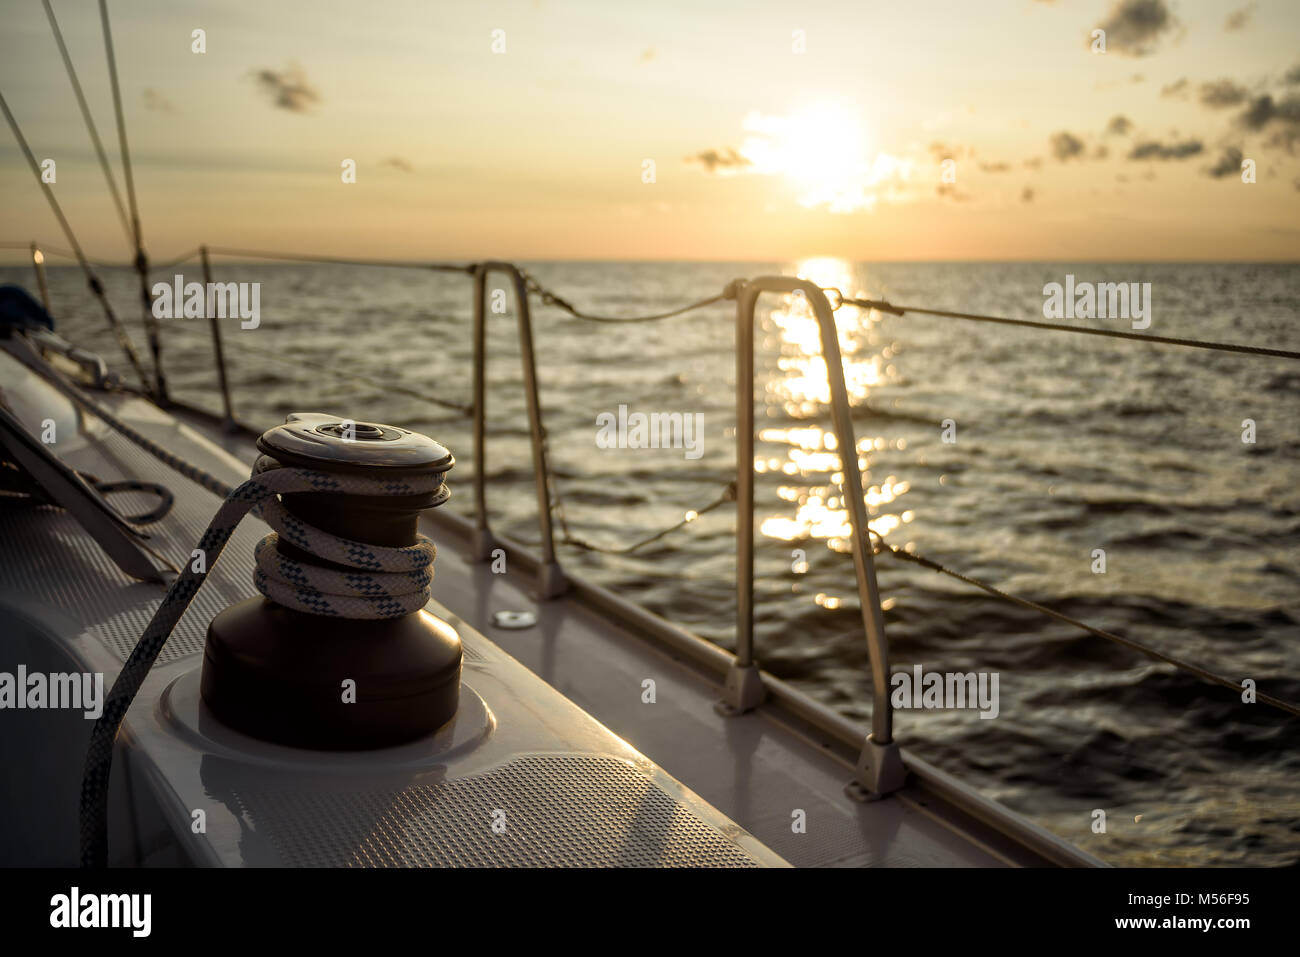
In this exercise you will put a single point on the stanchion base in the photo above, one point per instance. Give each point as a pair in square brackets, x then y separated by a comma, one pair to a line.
[880, 771]
[743, 691]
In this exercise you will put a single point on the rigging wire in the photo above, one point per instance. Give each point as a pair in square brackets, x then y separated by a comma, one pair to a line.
[69, 254]
[171, 263]
[567, 538]
[298, 361]
[338, 261]
[152, 328]
[90, 123]
[550, 298]
[883, 306]
[1203, 673]
[123, 338]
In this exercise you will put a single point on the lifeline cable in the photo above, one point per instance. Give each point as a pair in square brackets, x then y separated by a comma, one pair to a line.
[883, 306]
[1203, 673]
[398, 389]
[567, 538]
[551, 299]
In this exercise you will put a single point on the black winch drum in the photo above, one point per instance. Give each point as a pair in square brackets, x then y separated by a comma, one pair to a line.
[279, 674]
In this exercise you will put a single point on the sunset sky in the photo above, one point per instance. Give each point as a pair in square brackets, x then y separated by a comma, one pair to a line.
[759, 151]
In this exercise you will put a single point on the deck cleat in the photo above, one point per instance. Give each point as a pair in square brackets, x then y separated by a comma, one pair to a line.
[338, 653]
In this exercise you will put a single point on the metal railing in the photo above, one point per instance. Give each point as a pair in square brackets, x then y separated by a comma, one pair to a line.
[880, 765]
[550, 579]
[880, 768]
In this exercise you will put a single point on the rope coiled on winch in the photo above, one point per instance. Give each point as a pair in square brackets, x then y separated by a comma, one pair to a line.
[379, 583]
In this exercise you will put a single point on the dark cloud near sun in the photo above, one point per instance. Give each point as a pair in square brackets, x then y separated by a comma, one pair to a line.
[1133, 26]
[1065, 145]
[288, 89]
[1264, 110]
[1228, 164]
[719, 161]
[1292, 77]
[1282, 117]
[1155, 150]
[1220, 94]
[1119, 125]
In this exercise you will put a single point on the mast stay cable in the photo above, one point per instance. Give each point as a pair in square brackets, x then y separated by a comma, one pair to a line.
[90, 123]
[123, 338]
[141, 263]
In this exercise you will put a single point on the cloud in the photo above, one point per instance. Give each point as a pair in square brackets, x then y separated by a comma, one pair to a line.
[1119, 125]
[1065, 146]
[1222, 93]
[1027, 195]
[1292, 77]
[949, 191]
[289, 90]
[1133, 26]
[647, 55]
[1238, 19]
[1150, 149]
[396, 162]
[1227, 164]
[1034, 162]
[1264, 110]
[153, 100]
[725, 160]
[1281, 116]
[1257, 115]
[995, 167]
[1178, 89]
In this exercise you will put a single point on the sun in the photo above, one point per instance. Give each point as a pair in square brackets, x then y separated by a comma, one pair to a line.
[823, 150]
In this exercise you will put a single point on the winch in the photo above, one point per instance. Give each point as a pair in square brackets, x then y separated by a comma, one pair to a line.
[337, 652]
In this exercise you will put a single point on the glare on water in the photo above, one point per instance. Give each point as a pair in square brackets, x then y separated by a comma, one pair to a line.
[800, 391]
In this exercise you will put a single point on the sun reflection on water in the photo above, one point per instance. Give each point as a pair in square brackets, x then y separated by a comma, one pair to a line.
[800, 391]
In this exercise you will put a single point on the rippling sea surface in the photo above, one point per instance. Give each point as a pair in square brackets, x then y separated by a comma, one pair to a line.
[1064, 445]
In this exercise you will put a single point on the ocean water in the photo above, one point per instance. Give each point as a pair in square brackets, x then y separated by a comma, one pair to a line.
[1064, 445]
